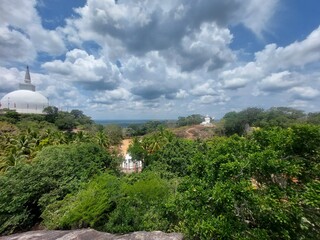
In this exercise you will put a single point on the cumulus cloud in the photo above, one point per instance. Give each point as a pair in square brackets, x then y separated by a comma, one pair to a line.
[204, 89]
[15, 47]
[150, 77]
[90, 72]
[275, 68]
[22, 16]
[304, 93]
[112, 96]
[142, 26]
[239, 77]
[215, 100]
[10, 79]
[255, 17]
[235, 83]
[206, 47]
[297, 54]
[279, 81]
[181, 94]
[150, 56]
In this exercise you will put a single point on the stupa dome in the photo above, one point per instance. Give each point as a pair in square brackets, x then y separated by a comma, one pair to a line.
[25, 100]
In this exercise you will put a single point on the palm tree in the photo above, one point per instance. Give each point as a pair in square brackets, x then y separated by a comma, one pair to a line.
[102, 139]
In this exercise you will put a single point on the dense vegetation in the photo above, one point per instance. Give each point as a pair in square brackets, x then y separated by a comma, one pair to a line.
[257, 184]
[238, 122]
[190, 120]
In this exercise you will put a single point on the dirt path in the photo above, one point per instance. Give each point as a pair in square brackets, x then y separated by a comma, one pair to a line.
[189, 134]
[125, 145]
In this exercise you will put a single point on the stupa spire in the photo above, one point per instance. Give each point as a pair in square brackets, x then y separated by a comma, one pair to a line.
[27, 78]
[27, 85]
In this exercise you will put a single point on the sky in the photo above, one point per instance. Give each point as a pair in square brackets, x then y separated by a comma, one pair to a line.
[152, 59]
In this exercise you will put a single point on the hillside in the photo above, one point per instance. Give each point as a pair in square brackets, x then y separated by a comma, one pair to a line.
[195, 132]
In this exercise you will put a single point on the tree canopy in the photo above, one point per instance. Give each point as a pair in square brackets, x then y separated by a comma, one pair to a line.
[262, 184]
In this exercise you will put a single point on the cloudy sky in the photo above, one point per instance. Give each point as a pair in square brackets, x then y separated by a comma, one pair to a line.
[160, 59]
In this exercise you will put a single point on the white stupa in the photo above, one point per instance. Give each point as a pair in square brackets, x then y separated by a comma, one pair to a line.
[207, 122]
[26, 99]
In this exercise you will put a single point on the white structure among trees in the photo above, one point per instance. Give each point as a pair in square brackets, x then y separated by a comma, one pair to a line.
[130, 166]
[26, 99]
[207, 122]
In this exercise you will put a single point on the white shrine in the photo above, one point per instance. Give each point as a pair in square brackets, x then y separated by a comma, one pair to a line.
[207, 122]
[129, 165]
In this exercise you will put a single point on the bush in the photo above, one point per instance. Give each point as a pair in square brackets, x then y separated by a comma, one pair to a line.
[88, 207]
[56, 171]
[115, 205]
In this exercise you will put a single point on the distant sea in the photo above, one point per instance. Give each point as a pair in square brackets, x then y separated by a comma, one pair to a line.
[123, 123]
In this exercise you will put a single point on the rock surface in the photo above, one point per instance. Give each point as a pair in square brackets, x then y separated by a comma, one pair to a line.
[90, 234]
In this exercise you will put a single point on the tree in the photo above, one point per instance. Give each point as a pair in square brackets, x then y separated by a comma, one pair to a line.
[90, 206]
[190, 120]
[261, 187]
[65, 121]
[57, 171]
[80, 117]
[108, 203]
[114, 133]
[314, 118]
[51, 113]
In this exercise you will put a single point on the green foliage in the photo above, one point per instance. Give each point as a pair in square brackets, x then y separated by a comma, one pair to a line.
[58, 170]
[174, 157]
[88, 207]
[236, 122]
[51, 113]
[114, 134]
[314, 118]
[145, 128]
[111, 204]
[80, 117]
[65, 121]
[10, 116]
[263, 187]
[190, 120]
[142, 149]
[142, 206]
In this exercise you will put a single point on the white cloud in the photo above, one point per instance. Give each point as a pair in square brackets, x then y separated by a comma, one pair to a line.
[141, 56]
[9, 79]
[239, 77]
[304, 93]
[235, 83]
[80, 67]
[279, 81]
[204, 89]
[181, 94]
[256, 15]
[207, 47]
[209, 99]
[15, 47]
[297, 54]
[22, 16]
[150, 76]
[113, 96]
[142, 26]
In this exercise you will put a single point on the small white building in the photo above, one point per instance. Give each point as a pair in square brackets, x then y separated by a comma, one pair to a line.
[207, 122]
[130, 166]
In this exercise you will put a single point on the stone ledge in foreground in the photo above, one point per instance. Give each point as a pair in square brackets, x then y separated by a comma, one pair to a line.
[90, 234]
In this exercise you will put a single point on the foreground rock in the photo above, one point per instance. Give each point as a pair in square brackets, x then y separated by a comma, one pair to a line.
[90, 234]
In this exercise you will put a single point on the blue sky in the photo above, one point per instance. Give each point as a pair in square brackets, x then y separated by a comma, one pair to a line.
[148, 59]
